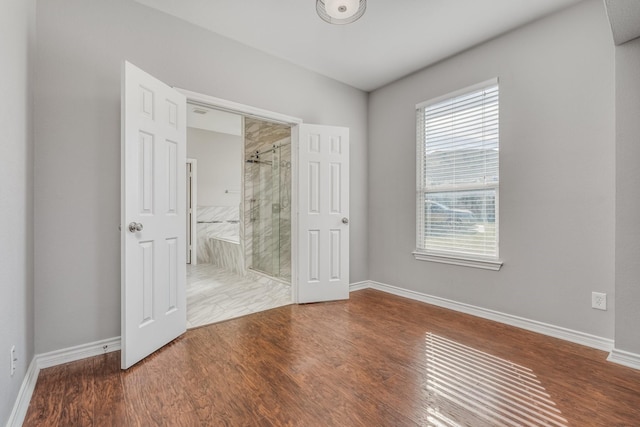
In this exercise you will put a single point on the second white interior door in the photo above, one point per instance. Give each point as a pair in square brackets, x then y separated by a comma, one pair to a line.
[323, 207]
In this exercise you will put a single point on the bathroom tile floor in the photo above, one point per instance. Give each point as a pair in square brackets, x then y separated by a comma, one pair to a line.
[215, 294]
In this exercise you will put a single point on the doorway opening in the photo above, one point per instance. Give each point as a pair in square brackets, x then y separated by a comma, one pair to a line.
[240, 193]
[153, 172]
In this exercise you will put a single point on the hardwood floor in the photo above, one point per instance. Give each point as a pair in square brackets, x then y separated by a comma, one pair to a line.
[375, 360]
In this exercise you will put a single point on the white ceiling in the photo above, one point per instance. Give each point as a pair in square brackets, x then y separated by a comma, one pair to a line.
[393, 38]
[624, 17]
[200, 117]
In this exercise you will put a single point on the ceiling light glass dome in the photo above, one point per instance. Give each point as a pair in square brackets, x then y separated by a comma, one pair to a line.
[341, 12]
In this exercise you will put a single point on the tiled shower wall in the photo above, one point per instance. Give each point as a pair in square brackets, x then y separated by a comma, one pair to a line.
[285, 212]
[268, 243]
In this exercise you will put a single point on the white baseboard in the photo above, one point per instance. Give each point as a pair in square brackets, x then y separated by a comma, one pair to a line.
[47, 360]
[359, 285]
[71, 354]
[531, 325]
[626, 358]
[24, 395]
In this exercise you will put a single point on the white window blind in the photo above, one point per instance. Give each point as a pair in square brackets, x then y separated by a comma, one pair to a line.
[458, 173]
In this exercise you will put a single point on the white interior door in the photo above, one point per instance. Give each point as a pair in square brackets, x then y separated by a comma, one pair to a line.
[153, 215]
[323, 213]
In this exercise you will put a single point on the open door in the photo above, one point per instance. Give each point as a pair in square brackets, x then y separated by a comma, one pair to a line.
[153, 249]
[323, 213]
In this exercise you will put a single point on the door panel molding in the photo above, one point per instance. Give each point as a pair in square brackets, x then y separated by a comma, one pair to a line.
[153, 239]
[323, 224]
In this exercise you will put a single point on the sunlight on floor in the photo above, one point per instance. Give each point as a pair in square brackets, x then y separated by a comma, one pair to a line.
[470, 387]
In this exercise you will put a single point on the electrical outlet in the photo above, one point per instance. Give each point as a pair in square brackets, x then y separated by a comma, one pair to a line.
[13, 359]
[598, 300]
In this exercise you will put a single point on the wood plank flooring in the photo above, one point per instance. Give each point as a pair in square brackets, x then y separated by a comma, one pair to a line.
[375, 360]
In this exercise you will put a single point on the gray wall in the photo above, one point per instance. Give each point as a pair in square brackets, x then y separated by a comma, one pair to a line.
[219, 166]
[628, 196]
[81, 45]
[557, 173]
[17, 21]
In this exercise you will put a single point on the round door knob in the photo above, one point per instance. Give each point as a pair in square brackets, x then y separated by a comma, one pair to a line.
[135, 226]
[345, 220]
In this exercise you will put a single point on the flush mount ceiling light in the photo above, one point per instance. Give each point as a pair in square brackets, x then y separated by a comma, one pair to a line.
[341, 11]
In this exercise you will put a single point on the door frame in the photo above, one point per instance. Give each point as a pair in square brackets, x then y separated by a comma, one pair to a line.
[193, 189]
[259, 113]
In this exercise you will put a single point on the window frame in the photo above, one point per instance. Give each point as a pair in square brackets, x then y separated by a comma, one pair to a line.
[451, 257]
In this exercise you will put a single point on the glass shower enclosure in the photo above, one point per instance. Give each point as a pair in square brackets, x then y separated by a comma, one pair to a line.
[268, 193]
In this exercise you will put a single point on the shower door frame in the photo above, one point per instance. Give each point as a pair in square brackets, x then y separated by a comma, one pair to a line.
[272, 175]
[260, 114]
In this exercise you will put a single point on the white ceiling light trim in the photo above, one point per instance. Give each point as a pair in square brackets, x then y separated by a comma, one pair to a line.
[341, 12]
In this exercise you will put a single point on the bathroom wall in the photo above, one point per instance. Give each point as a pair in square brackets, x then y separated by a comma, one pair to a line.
[219, 166]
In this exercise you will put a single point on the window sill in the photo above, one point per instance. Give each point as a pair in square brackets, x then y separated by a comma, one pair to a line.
[484, 264]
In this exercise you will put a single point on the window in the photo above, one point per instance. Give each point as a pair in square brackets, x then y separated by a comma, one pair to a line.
[458, 177]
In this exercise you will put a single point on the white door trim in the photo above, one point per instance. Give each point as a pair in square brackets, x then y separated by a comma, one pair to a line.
[194, 206]
[234, 107]
[295, 213]
[294, 122]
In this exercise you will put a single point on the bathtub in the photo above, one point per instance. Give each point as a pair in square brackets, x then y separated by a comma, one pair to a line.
[218, 238]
